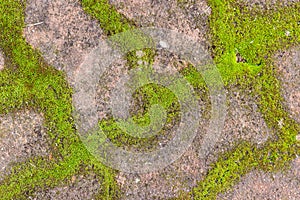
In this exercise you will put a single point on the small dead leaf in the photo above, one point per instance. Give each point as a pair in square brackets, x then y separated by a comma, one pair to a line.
[73, 179]
[50, 156]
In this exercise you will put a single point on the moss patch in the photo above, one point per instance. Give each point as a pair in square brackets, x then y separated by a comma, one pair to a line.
[255, 35]
[29, 82]
[243, 43]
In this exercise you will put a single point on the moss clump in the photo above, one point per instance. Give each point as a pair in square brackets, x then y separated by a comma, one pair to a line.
[110, 20]
[253, 36]
[29, 82]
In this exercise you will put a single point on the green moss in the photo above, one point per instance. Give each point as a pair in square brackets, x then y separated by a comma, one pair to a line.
[110, 20]
[256, 36]
[147, 57]
[150, 94]
[28, 82]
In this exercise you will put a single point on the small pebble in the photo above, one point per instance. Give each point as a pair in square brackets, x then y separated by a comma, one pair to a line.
[73, 179]
[163, 44]
[1, 61]
[137, 180]
[139, 54]
[280, 123]
[139, 62]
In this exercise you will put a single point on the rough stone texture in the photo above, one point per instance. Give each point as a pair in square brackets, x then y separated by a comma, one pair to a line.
[80, 187]
[1, 60]
[66, 35]
[244, 122]
[189, 17]
[261, 185]
[22, 136]
[288, 67]
[244, 119]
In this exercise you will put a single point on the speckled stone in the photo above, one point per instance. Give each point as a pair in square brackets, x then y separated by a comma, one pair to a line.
[261, 185]
[79, 187]
[287, 64]
[1, 61]
[22, 136]
[66, 35]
